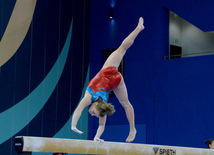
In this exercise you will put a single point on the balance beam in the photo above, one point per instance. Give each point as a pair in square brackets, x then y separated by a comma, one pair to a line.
[25, 144]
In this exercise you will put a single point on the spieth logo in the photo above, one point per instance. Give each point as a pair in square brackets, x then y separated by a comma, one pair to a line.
[164, 151]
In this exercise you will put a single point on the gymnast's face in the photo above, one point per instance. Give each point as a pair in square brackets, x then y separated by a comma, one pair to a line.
[93, 111]
[211, 145]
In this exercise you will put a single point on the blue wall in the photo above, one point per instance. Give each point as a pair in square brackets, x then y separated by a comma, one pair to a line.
[172, 97]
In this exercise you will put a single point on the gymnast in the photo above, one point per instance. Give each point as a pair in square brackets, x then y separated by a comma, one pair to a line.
[106, 80]
[210, 143]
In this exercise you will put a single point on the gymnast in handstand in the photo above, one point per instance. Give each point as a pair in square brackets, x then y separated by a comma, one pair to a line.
[106, 80]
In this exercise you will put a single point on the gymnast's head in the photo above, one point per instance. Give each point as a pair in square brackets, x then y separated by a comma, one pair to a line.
[210, 143]
[99, 108]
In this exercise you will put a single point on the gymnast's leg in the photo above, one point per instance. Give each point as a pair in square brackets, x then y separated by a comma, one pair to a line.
[121, 91]
[122, 96]
[115, 58]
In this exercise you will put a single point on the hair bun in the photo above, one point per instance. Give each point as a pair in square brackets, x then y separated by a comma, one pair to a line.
[104, 107]
[111, 109]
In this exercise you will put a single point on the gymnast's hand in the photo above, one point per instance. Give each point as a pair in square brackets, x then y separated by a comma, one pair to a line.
[101, 141]
[76, 130]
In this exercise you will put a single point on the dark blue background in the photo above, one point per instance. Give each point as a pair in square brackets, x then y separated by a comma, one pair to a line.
[174, 98]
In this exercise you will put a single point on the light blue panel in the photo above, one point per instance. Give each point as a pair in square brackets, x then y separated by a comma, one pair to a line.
[119, 133]
[18, 116]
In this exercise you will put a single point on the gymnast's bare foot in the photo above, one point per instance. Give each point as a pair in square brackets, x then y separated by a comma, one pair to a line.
[140, 24]
[131, 136]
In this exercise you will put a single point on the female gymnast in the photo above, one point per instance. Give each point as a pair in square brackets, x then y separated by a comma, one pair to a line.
[210, 143]
[106, 80]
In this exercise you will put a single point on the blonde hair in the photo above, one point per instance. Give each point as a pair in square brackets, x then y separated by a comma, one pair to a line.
[104, 107]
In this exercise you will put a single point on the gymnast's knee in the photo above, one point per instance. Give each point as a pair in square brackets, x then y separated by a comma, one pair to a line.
[125, 104]
[127, 43]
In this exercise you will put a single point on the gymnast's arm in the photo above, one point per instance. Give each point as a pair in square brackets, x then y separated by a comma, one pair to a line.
[86, 101]
[101, 128]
